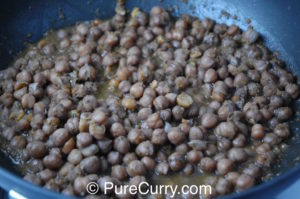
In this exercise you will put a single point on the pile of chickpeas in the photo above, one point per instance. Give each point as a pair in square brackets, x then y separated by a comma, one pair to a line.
[140, 95]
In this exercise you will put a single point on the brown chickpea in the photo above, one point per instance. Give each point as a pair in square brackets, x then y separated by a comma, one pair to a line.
[257, 131]
[207, 164]
[224, 166]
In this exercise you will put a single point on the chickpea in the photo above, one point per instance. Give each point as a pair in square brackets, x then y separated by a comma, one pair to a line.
[257, 131]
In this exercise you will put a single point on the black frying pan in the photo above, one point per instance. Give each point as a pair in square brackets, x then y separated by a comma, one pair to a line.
[277, 20]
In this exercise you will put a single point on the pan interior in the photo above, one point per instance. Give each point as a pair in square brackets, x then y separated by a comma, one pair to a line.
[27, 21]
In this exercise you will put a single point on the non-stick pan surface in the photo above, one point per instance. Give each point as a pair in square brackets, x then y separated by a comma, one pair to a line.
[278, 21]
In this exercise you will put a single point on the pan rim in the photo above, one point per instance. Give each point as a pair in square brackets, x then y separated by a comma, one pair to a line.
[286, 178]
